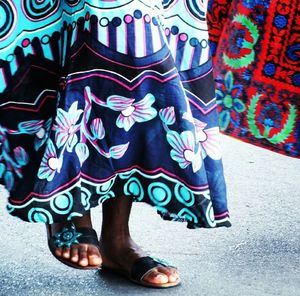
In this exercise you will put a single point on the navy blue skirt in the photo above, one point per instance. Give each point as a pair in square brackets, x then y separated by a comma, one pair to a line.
[100, 99]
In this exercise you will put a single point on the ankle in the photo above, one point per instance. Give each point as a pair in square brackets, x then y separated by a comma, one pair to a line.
[121, 235]
[84, 221]
[111, 230]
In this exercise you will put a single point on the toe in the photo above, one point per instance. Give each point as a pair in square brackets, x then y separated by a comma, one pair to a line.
[156, 277]
[83, 259]
[74, 254]
[94, 256]
[66, 253]
[170, 272]
[58, 252]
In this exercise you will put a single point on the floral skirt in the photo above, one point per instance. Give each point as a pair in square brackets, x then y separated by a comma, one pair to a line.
[100, 99]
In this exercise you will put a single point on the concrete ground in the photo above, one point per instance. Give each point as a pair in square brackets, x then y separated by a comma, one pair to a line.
[259, 255]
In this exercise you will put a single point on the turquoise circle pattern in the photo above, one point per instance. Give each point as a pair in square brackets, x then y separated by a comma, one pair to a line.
[74, 215]
[103, 198]
[105, 187]
[210, 215]
[159, 193]
[9, 208]
[85, 198]
[188, 215]
[184, 195]
[133, 187]
[62, 204]
[40, 215]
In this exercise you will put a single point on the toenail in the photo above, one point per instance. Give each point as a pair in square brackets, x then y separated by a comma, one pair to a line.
[161, 276]
[74, 259]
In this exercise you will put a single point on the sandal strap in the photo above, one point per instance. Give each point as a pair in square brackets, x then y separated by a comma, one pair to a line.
[88, 236]
[71, 235]
[144, 265]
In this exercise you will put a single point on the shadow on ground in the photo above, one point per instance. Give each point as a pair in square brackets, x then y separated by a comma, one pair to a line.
[259, 255]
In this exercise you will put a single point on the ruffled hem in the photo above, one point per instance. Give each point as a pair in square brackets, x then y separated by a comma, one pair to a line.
[165, 215]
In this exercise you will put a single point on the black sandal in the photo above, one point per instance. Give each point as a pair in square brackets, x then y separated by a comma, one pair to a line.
[140, 268]
[69, 236]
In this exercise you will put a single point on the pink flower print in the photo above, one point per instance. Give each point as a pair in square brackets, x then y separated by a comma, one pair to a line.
[167, 115]
[209, 139]
[50, 163]
[42, 134]
[118, 151]
[21, 156]
[118, 103]
[66, 127]
[82, 152]
[211, 145]
[132, 112]
[201, 136]
[183, 151]
[97, 129]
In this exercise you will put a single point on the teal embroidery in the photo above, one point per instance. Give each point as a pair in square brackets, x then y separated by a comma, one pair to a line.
[251, 30]
[268, 122]
[227, 95]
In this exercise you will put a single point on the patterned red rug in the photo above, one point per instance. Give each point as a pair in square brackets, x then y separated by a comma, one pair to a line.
[256, 49]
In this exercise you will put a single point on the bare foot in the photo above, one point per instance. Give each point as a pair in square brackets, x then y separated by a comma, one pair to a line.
[85, 255]
[122, 252]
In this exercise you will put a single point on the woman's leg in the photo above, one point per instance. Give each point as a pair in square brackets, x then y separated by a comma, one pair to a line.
[118, 250]
[81, 254]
